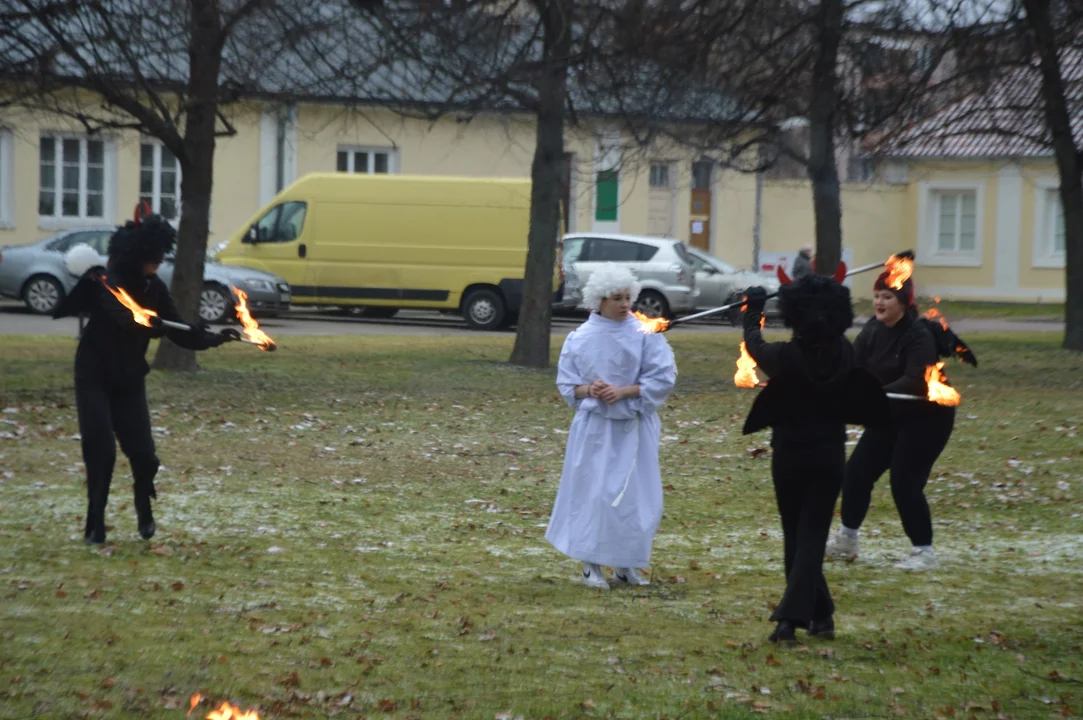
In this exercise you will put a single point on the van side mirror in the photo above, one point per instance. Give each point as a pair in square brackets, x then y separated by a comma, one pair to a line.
[252, 236]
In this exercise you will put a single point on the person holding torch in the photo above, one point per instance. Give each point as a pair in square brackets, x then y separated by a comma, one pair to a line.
[898, 348]
[110, 362]
[814, 391]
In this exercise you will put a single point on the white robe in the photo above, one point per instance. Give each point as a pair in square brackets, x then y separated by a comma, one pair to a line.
[612, 448]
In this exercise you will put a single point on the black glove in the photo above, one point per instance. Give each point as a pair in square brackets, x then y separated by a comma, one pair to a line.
[755, 300]
[229, 334]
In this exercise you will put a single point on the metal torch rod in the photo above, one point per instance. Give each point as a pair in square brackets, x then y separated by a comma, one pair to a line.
[724, 308]
[900, 396]
[176, 325]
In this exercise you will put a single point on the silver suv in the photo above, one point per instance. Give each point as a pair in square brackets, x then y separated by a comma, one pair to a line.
[662, 266]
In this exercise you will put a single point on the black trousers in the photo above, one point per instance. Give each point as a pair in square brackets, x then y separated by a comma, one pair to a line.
[807, 483]
[106, 411]
[908, 449]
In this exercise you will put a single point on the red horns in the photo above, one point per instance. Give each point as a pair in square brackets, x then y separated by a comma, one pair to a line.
[142, 210]
[840, 274]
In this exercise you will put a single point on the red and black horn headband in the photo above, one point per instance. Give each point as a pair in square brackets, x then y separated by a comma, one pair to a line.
[142, 210]
[840, 273]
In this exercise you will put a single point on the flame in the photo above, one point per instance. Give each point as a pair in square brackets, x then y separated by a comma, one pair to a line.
[940, 393]
[139, 314]
[746, 376]
[251, 327]
[649, 324]
[195, 700]
[225, 711]
[899, 271]
[934, 314]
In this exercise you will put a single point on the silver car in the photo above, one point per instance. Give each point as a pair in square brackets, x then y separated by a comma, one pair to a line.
[720, 283]
[662, 266]
[36, 275]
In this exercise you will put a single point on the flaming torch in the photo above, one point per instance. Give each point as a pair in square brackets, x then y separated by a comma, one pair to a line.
[225, 711]
[939, 392]
[252, 332]
[746, 376]
[649, 324]
[899, 269]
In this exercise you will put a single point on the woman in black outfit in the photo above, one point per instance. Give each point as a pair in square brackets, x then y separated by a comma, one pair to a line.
[814, 391]
[896, 347]
[111, 367]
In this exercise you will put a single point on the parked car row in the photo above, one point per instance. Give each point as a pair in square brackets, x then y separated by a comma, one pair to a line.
[36, 275]
[676, 279]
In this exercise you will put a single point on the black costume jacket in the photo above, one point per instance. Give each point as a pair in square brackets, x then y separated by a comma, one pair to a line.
[113, 347]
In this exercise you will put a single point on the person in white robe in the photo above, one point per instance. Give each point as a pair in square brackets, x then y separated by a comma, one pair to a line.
[616, 377]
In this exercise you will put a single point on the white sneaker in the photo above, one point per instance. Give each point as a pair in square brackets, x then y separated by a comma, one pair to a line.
[918, 560]
[593, 577]
[629, 576]
[842, 546]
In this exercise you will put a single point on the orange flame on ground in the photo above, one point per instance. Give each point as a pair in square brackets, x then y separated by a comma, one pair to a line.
[746, 376]
[899, 271]
[649, 324]
[225, 711]
[139, 314]
[934, 314]
[195, 700]
[251, 327]
[940, 393]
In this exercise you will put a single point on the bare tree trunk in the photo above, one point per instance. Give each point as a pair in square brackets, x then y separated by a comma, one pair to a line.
[197, 177]
[822, 171]
[1069, 165]
[532, 335]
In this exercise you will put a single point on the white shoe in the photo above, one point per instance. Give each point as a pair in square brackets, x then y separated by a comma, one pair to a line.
[918, 560]
[629, 576]
[593, 577]
[842, 546]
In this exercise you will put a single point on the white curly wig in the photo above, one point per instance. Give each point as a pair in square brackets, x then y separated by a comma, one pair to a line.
[605, 281]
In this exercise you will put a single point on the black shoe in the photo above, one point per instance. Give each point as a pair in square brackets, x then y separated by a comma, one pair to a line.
[784, 634]
[824, 629]
[94, 534]
[145, 516]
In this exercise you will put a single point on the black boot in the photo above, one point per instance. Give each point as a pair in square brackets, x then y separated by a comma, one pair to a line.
[824, 629]
[784, 634]
[94, 534]
[145, 516]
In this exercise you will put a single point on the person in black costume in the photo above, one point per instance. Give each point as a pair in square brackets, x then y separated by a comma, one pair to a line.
[814, 391]
[111, 366]
[897, 347]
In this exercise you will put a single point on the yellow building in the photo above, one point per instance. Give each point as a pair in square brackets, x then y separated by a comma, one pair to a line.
[982, 228]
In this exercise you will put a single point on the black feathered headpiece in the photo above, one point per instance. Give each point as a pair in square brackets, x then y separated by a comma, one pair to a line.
[147, 239]
[817, 308]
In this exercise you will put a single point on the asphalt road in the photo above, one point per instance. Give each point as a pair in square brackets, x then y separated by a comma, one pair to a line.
[15, 319]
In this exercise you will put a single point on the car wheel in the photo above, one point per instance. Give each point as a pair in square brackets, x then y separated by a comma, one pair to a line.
[42, 294]
[215, 304]
[484, 309]
[652, 304]
[382, 313]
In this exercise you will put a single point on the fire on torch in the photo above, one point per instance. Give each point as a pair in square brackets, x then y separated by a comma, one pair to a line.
[252, 334]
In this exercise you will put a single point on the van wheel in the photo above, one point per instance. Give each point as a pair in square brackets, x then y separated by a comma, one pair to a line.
[382, 313]
[484, 309]
[652, 304]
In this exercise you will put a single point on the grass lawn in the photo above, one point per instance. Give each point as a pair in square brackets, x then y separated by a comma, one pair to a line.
[960, 309]
[353, 527]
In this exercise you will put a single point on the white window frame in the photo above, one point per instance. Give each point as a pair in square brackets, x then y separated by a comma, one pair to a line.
[7, 179]
[156, 169]
[372, 151]
[668, 167]
[1046, 201]
[929, 217]
[109, 193]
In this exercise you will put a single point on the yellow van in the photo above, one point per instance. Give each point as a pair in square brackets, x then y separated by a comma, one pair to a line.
[384, 242]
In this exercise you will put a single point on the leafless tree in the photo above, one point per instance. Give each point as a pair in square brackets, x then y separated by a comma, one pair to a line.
[171, 69]
[543, 58]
